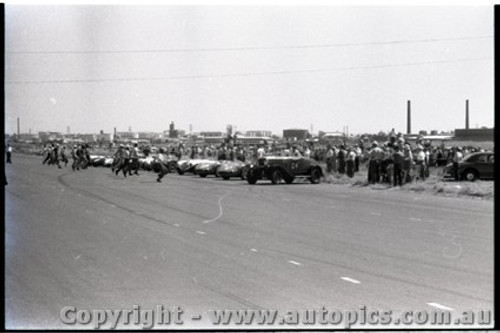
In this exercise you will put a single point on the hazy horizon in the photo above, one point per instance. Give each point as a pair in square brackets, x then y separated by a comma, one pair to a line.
[270, 68]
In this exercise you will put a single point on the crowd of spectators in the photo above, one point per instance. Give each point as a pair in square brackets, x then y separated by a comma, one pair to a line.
[394, 161]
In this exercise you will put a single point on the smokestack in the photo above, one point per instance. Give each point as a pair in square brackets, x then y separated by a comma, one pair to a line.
[18, 126]
[408, 121]
[467, 114]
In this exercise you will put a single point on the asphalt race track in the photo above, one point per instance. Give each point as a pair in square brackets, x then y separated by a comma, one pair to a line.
[94, 240]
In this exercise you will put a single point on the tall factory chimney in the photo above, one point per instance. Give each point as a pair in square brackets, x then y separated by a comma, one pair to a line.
[408, 121]
[18, 127]
[467, 114]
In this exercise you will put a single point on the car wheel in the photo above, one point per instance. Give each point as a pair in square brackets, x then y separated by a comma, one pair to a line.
[470, 175]
[276, 176]
[179, 171]
[251, 177]
[315, 176]
[226, 177]
[251, 180]
[171, 167]
[289, 180]
[203, 175]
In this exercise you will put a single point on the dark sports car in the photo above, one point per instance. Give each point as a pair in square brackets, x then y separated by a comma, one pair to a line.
[206, 168]
[472, 167]
[228, 169]
[277, 169]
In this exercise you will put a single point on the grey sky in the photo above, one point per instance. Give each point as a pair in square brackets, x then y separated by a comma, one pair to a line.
[280, 67]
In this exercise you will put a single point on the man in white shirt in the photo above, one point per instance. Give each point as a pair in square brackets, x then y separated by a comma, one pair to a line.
[307, 152]
[420, 162]
[261, 155]
[161, 162]
[9, 153]
[457, 157]
[376, 155]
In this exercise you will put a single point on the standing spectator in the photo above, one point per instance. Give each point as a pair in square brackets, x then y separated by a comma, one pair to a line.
[307, 152]
[240, 155]
[397, 169]
[9, 153]
[392, 138]
[420, 162]
[329, 155]
[221, 153]
[193, 152]
[376, 155]
[456, 158]
[350, 162]
[386, 165]
[230, 154]
[341, 157]
[427, 162]
[295, 152]
[358, 152]
[407, 164]
[261, 155]
[400, 141]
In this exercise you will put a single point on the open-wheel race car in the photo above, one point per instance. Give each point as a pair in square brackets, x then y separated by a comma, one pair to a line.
[278, 169]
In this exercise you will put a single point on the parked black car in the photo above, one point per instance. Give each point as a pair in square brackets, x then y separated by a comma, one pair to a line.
[472, 167]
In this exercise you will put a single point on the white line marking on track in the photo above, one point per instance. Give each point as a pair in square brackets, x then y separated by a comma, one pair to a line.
[348, 279]
[176, 225]
[200, 232]
[220, 211]
[440, 306]
[375, 214]
[294, 263]
[414, 219]
[286, 199]
[254, 250]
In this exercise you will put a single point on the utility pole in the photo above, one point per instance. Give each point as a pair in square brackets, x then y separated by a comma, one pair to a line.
[467, 114]
[408, 120]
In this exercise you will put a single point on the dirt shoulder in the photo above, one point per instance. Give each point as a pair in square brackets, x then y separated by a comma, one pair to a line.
[434, 185]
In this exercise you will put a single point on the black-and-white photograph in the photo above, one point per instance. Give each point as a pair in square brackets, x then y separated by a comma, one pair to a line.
[242, 167]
